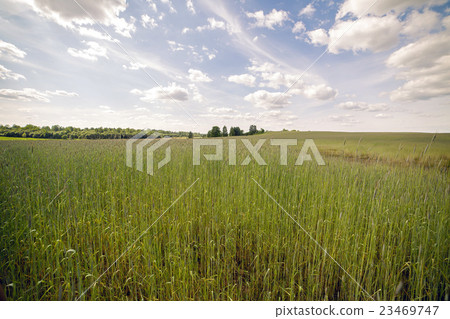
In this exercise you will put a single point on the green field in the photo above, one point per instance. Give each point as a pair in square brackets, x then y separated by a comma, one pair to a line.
[380, 206]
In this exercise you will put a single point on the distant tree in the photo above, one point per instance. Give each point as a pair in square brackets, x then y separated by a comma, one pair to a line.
[252, 130]
[232, 132]
[238, 131]
[190, 135]
[224, 131]
[215, 131]
[261, 131]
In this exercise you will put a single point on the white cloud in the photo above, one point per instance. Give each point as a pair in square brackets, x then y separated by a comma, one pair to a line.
[277, 79]
[308, 10]
[272, 78]
[10, 51]
[171, 92]
[210, 54]
[175, 46]
[318, 37]
[363, 106]
[196, 96]
[268, 100]
[318, 92]
[29, 94]
[185, 30]
[214, 24]
[148, 22]
[418, 24]
[170, 5]
[135, 66]
[368, 33]
[92, 53]
[424, 66]
[92, 33]
[6, 74]
[125, 28]
[358, 7]
[264, 67]
[273, 18]
[382, 116]
[198, 76]
[245, 79]
[371, 32]
[299, 27]
[190, 6]
[152, 5]
[69, 15]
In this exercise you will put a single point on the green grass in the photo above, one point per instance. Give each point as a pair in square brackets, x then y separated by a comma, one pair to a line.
[6, 138]
[70, 208]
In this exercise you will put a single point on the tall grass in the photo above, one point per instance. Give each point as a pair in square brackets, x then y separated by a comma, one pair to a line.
[70, 208]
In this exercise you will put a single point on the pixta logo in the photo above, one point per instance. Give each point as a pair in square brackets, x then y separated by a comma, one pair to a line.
[309, 148]
[253, 149]
[140, 148]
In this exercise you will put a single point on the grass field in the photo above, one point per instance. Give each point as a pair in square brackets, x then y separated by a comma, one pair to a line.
[380, 206]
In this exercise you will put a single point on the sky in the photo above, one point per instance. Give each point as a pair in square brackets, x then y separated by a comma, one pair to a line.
[186, 65]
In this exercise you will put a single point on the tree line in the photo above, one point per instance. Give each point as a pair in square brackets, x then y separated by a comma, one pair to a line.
[234, 131]
[70, 132]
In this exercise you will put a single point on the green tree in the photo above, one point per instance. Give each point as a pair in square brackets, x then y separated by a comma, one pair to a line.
[190, 135]
[224, 131]
[215, 131]
[252, 130]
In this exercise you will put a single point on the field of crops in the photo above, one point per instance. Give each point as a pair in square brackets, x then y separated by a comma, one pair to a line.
[380, 207]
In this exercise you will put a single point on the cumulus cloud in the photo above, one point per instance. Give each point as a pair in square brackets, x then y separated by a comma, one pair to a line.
[171, 92]
[368, 33]
[29, 94]
[424, 65]
[190, 6]
[356, 8]
[10, 51]
[318, 92]
[170, 5]
[152, 5]
[268, 100]
[198, 76]
[272, 78]
[214, 24]
[135, 66]
[92, 53]
[6, 74]
[196, 96]
[308, 10]
[273, 18]
[318, 37]
[148, 22]
[245, 79]
[69, 15]
[420, 23]
[299, 27]
[378, 29]
[363, 106]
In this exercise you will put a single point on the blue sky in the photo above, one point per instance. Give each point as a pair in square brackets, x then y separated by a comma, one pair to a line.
[352, 65]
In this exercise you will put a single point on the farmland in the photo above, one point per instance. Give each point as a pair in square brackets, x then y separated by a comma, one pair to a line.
[380, 206]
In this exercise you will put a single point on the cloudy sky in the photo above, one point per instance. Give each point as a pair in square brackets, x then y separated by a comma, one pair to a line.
[352, 65]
